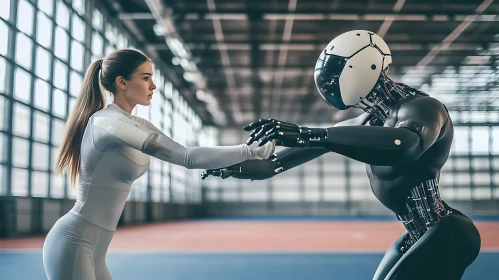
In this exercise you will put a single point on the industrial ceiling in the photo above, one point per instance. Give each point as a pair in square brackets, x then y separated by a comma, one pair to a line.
[246, 60]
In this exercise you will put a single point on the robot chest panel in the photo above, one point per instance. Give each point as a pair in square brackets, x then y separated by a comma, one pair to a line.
[390, 184]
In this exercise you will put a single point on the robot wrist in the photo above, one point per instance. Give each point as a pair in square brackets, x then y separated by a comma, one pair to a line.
[314, 136]
[313, 132]
[319, 133]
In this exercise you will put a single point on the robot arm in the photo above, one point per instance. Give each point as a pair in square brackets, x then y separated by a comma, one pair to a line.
[108, 132]
[417, 126]
[279, 162]
[291, 157]
[373, 145]
[267, 168]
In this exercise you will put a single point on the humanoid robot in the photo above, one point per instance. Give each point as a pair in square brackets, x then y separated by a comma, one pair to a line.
[404, 137]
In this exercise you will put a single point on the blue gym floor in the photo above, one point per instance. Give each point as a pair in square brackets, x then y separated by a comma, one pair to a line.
[15, 265]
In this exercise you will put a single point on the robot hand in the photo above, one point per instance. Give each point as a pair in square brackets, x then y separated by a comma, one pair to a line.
[250, 169]
[285, 134]
[223, 173]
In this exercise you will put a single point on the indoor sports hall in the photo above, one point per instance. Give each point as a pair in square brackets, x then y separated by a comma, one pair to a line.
[182, 191]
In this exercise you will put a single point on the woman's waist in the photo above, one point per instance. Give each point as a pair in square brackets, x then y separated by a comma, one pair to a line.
[101, 206]
[106, 219]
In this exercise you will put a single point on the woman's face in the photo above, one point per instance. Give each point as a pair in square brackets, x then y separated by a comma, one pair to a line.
[139, 89]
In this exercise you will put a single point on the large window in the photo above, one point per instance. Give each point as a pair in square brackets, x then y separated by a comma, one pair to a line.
[41, 76]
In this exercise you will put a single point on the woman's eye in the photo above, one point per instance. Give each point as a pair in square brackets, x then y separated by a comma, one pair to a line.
[146, 79]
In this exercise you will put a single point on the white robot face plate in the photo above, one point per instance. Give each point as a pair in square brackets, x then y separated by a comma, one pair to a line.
[360, 74]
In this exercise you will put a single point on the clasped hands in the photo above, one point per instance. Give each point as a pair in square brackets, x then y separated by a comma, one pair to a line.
[265, 130]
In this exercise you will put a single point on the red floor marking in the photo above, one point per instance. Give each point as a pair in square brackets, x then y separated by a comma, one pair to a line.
[258, 236]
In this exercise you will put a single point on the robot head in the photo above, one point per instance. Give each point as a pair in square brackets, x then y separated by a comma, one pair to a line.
[349, 68]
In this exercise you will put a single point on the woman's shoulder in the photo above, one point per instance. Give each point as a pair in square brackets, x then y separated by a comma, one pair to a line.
[109, 112]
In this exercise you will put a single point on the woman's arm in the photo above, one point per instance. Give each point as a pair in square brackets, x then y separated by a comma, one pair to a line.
[108, 131]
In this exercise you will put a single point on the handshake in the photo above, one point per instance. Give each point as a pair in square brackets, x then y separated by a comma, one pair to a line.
[253, 169]
[265, 131]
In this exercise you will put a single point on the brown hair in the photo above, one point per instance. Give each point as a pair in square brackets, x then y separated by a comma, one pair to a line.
[91, 99]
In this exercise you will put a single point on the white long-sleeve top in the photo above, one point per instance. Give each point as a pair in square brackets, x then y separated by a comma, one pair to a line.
[115, 151]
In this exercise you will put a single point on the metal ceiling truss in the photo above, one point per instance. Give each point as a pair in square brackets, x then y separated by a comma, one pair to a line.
[258, 56]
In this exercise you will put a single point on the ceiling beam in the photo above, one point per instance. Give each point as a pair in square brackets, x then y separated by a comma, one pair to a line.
[322, 38]
[448, 40]
[326, 16]
[326, 5]
[300, 46]
[387, 22]
[391, 38]
[293, 67]
[320, 16]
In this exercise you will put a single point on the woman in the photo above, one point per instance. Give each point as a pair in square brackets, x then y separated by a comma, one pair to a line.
[404, 137]
[108, 149]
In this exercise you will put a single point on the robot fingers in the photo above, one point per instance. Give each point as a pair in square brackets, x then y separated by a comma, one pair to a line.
[258, 123]
[222, 173]
[283, 138]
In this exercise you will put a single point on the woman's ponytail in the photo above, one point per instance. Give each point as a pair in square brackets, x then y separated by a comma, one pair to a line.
[90, 100]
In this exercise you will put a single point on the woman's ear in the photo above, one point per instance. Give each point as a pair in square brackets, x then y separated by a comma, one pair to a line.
[120, 81]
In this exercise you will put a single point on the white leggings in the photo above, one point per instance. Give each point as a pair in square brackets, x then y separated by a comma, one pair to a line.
[75, 249]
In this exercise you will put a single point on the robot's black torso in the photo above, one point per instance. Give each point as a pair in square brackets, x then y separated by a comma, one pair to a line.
[410, 189]
[392, 184]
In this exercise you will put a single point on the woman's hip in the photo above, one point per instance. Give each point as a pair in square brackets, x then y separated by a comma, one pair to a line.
[72, 230]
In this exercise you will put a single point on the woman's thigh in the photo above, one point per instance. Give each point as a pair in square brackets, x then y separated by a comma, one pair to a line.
[69, 249]
[65, 260]
[101, 245]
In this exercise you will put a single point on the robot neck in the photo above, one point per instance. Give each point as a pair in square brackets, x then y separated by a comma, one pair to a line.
[385, 94]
